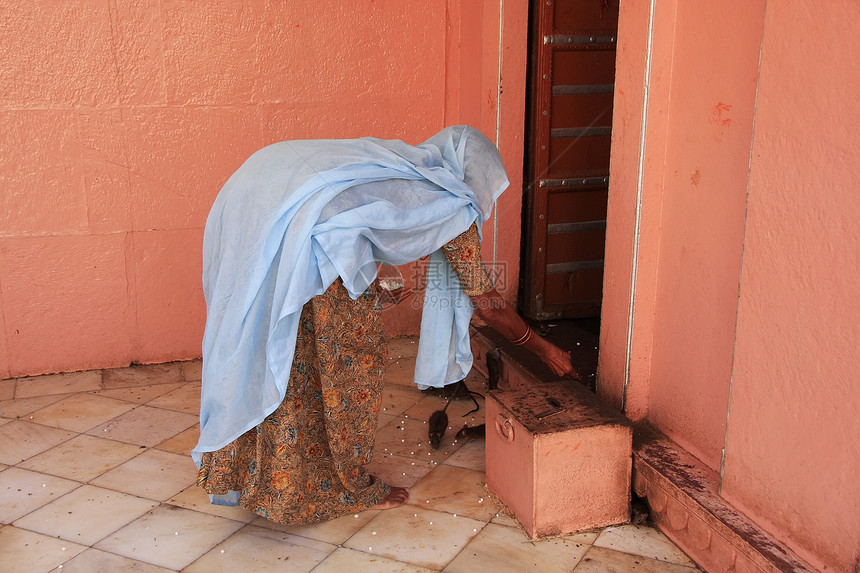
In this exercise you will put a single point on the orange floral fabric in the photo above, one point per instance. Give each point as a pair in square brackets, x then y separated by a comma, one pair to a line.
[305, 462]
[464, 256]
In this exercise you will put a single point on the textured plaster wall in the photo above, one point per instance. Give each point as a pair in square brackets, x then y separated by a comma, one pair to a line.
[742, 224]
[635, 203]
[121, 120]
[691, 198]
[708, 128]
[793, 451]
[630, 74]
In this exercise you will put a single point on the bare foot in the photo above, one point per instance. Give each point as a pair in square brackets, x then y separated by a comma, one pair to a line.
[395, 498]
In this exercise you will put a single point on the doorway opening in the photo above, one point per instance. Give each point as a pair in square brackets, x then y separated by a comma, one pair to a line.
[571, 81]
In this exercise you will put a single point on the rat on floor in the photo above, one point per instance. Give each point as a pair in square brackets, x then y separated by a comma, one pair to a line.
[438, 422]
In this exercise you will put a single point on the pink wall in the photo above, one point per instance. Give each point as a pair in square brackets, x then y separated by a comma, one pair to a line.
[708, 130]
[635, 205]
[792, 457]
[121, 120]
[742, 223]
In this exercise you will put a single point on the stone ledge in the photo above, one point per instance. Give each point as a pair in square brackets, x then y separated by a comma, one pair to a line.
[683, 496]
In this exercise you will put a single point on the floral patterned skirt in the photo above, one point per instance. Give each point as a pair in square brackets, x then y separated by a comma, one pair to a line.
[305, 462]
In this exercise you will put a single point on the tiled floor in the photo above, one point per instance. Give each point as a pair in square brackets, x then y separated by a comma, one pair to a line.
[95, 476]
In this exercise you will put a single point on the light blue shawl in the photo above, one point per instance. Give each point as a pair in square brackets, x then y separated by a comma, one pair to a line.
[297, 215]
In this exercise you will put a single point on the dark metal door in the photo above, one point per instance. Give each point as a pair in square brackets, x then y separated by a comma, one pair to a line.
[572, 75]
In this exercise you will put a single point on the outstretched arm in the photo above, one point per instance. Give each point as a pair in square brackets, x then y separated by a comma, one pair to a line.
[464, 255]
[495, 311]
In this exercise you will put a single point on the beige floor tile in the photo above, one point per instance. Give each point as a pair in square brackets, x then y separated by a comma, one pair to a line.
[400, 371]
[407, 437]
[82, 458]
[383, 419]
[80, 412]
[262, 550]
[398, 470]
[138, 394]
[22, 440]
[429, 403]
[186, 399]
[145, 375]
[23, 491]
[127, 481]
[7, 389]
[602, 560]
[402, 347]
[145, 426]
[400, 368]
[471, 456]
[334, 531]
[153, 475]
[459, 412]
[504, 517]
[415, 535]
[644, 541]
[359, 562]
[28, 552]
[503, 549]
[95, 561]
[58, 384]
[191, 369]
[586, 537]
[86, 515]
[183, 442]
[457, 491]
[193, 497]
[169, 536]
[23, 407]
[396, 400]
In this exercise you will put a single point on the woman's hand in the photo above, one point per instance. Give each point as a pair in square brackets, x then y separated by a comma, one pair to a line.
[493, 310]
[559, 362]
